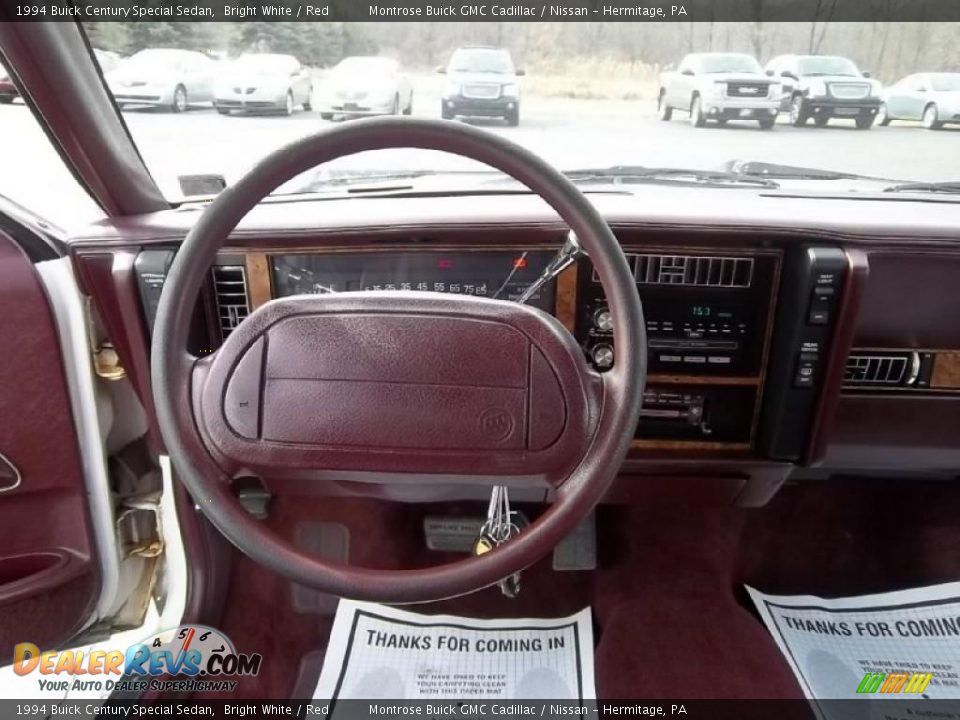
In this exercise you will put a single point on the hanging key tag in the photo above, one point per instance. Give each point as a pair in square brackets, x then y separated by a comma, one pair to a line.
[484, 543]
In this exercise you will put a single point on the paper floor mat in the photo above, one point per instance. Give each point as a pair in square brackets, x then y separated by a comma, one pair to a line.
[379, 652]
[901, 645]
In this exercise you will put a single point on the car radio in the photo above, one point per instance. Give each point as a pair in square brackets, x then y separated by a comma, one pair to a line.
[705, 314]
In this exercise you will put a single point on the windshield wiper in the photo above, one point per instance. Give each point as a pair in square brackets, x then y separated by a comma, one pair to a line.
[358, 182]
[948, 187]
[752, 168]
[627, 174]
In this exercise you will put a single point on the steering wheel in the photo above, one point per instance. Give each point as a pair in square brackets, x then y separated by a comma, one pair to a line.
[391, 387]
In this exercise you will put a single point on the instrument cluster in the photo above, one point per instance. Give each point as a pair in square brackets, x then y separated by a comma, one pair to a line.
[497, 274]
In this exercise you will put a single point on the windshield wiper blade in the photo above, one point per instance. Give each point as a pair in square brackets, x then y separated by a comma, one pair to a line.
[752, 168]
[353, 181]
[947, 187]
[685, 176]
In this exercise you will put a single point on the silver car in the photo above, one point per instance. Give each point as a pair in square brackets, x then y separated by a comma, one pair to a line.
[362, 86]
[164, 78]
[933, 98]
[263, 82]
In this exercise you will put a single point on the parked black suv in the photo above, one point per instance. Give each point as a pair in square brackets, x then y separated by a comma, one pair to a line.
[481, 82]
[824, 87]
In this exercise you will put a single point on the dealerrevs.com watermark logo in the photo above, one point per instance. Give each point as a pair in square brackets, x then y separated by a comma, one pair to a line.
[894, 683]
[189, 658]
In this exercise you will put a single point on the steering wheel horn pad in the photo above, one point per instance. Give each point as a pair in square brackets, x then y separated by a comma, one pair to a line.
[378, 385]
[384, 387]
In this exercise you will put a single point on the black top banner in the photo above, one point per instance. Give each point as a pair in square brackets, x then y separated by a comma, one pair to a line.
[502, 11]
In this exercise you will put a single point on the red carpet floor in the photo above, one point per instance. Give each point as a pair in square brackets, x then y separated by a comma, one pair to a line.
[670, 614]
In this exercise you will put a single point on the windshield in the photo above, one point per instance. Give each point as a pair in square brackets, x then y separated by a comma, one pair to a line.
[365, 65]
[582, 95]
[827, 66]
[264, 64]
[945, 82]
[481, 60]
[154, 59]
[729, 64]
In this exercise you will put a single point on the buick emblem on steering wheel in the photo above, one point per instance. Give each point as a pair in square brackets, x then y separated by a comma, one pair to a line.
[496, 423]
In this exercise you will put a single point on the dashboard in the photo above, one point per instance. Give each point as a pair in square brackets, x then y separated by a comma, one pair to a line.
[709, 316]
[775, 349]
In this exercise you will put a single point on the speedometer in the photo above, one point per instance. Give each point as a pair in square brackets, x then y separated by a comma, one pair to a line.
[496, 274]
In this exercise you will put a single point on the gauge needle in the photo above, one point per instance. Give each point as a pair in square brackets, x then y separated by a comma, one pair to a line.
[566, 256]
[517, 264]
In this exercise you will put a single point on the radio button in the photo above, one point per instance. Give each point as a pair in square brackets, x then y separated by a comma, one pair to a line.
[602, 356]
[603, 320]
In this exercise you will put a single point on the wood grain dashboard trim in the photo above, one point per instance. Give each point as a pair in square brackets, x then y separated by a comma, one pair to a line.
[259, 284]
[946, 370]
[700, 445]
[566, 305]
[704, 379]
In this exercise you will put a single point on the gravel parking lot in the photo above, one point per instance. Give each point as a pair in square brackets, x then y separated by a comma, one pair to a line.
[568, 133]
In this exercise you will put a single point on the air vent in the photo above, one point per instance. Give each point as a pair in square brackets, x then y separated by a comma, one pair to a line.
[881, 369]
[721, 272]
[230, 287]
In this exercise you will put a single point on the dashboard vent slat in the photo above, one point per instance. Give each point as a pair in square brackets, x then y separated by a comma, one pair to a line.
[876, 369]
[694, 270]
[230, 290]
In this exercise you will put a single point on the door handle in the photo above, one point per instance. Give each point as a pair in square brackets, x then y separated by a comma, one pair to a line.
[9, 474]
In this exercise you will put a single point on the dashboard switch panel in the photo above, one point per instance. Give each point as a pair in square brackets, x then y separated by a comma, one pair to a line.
[812, 284]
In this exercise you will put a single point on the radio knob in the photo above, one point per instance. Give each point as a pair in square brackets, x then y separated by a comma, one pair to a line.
[602, 356]
[603, 320]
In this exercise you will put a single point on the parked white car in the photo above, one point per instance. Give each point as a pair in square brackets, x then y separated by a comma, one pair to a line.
[263, 82]
[933, 98]
[107, 60]
[720, 87]
[361, 86]
[163, 77]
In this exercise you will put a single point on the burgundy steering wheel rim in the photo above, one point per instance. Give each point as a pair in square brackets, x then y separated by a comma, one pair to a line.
[173, 368]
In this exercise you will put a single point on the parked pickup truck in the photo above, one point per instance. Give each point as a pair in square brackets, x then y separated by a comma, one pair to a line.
[721, 87]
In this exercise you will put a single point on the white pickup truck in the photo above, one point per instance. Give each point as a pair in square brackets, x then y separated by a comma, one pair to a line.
[721, 87]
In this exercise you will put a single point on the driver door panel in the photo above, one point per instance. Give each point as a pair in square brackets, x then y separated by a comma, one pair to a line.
[49, 579]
